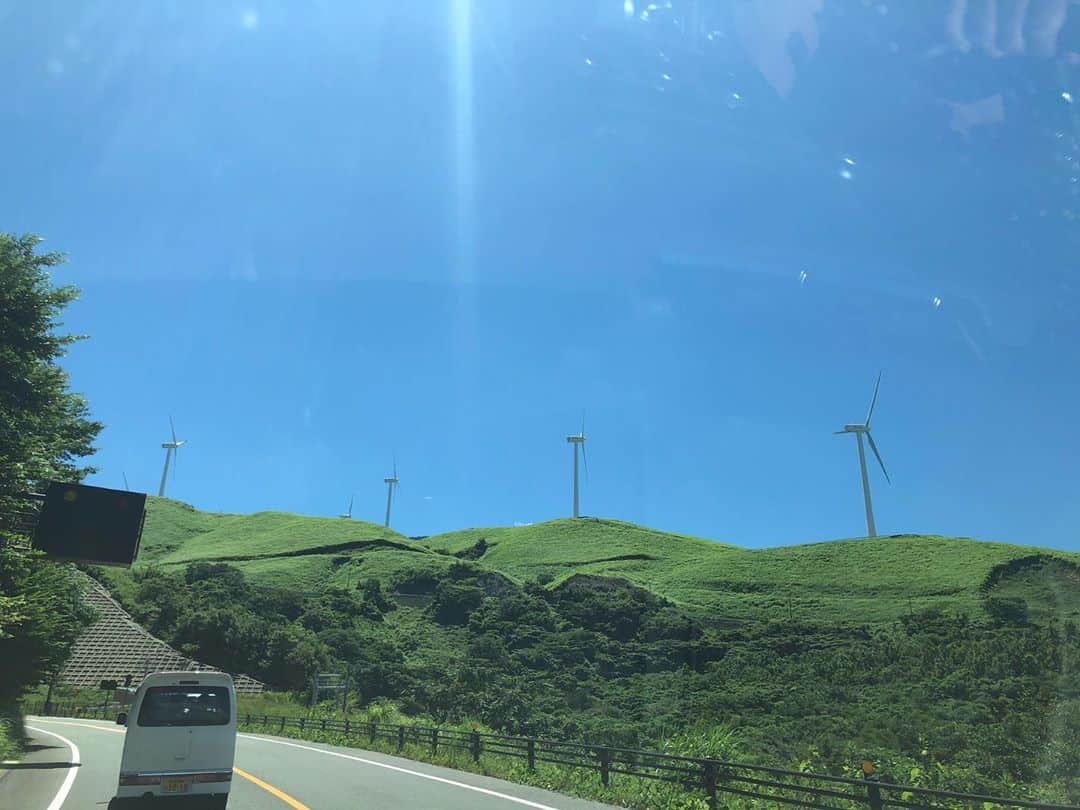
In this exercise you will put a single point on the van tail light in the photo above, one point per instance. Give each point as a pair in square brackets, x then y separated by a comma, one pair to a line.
[135, 779]
[216, 776]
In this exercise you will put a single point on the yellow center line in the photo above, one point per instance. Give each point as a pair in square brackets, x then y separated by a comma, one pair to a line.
[285, 797]
[273, 791]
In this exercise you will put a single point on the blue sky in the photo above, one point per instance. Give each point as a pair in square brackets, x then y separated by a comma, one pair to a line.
[323, 239]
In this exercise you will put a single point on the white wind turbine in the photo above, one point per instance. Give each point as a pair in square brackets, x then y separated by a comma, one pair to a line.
[348, 512]
[578, 440]
[170, 448]
[391, 482]
[859, 430]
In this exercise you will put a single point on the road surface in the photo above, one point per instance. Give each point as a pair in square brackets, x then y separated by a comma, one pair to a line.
[73, 765]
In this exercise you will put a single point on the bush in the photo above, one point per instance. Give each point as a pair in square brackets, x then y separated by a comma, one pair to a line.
[1007, 610]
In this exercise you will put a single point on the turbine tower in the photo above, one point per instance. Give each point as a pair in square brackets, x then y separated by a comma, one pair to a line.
[348, 512]
[391, 482]
[859, 430]
[170, 448]
[578, 441]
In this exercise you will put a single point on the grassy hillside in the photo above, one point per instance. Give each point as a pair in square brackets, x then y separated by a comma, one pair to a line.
[176, 533]
[848, 581]
[854, 581]
[279, 548]
[934, 655]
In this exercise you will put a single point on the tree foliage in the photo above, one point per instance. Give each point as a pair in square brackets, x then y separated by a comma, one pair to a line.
[45, 431]
[45, 428]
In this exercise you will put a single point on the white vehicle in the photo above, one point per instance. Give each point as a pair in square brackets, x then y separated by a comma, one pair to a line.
[181, 737]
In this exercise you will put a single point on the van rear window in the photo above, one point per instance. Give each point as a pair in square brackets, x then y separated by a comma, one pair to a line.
[185, 706]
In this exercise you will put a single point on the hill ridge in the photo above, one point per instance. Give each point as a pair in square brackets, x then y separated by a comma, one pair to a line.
[850, 580]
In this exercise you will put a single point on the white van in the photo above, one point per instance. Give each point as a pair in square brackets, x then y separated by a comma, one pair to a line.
[181, 737]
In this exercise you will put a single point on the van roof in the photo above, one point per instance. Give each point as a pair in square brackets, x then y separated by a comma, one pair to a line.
[182, 678]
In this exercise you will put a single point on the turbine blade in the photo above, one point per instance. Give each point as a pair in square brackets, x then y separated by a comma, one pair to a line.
[172, 428]
[585, 459]
[583, 423]
[873, 400]
[839, 432]
[877, 455]
[175, 458]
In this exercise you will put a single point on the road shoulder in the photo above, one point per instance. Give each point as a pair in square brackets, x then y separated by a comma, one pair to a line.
[35, 780]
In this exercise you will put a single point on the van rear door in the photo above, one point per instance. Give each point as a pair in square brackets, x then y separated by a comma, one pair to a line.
[185, 726]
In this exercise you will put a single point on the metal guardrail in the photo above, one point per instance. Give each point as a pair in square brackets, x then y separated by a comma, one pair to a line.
[714, 779]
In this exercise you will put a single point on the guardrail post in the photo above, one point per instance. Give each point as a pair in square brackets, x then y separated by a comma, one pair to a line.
[303, 722]
[476, 746]
[710, 784]
[434, 740]
[346, 726]
[605, 765]
[324, 724]
[371, 731]
[266, 720]
[873, 795]
[247, 719]
[530, 752]
[400, 737]
[282, 729]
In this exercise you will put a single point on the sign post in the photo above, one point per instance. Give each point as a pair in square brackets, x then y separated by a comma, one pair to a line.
[108, 687]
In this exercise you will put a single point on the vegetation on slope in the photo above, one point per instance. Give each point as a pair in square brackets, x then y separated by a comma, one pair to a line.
[953, 669]
[844, 581]
[941, 657]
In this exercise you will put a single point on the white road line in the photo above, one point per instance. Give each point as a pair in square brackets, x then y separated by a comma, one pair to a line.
[69, 780]
[80, 725]
[420, 774]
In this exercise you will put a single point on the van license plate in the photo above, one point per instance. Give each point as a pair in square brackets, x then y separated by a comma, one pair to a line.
[175, 785]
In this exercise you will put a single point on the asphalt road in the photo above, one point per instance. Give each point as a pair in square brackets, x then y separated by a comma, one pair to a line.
[73, 764]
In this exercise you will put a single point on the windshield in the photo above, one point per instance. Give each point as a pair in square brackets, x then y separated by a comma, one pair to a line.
[184, 706]
[695, 377]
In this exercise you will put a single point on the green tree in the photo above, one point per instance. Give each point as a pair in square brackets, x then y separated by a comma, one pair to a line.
[45, 430]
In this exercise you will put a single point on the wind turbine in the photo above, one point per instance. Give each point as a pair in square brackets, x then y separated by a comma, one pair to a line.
[348, 513]
[578, 441]
[170, 448]
[859, 430]
[391, 482]
[126, 483]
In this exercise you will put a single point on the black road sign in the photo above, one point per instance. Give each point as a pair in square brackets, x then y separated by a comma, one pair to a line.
[90, 524]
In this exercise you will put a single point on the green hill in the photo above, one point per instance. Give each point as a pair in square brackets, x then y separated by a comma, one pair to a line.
[934, 655]
[278, 548]
[854, 581]
[845, 581]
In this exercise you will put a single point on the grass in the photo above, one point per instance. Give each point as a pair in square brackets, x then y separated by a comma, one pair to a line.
[170, 524]
[842, 581]
[277, 548]
[11, 733]
[1050, 587]
[857, 581]
[276, 533]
